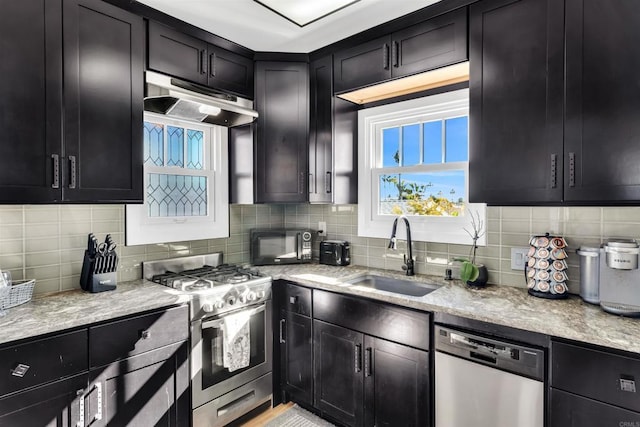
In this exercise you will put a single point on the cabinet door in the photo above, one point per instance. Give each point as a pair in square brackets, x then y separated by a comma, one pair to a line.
[31, 101]
[321, 131]
[570, 410]
[53, 405]
[338, 365]
[602, 101]
[230, 72]
[146, 390]
[296, 356]
[516, 97]
[177, 54]
[396, 383]
[362, 65]
[282, 146]
[431, 44]
[103, 62]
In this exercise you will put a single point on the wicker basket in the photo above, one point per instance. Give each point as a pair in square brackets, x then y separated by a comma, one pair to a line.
[20, 292]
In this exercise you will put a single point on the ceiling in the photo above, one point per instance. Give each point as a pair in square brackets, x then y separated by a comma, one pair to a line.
[252, 25]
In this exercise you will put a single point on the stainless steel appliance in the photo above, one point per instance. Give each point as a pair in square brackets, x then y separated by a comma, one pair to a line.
[620, 277]
[589, 274]
[189, 101]
[275, 246]
[485, 382]
[218, 294]
[335, 252]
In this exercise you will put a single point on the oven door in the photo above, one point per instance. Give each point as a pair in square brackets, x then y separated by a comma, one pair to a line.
[209, 378]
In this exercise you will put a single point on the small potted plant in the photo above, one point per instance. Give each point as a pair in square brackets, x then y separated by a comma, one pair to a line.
[473, 274]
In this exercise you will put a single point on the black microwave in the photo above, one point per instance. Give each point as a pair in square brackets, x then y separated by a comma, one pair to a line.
[274, 246]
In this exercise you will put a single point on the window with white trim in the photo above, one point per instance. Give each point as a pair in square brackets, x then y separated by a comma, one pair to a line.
[185, 183]
[414, 161]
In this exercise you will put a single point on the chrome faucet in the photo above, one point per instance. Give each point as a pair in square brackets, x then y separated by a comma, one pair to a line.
[408, 258]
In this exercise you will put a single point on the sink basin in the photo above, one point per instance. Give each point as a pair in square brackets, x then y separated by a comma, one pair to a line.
[398, 286]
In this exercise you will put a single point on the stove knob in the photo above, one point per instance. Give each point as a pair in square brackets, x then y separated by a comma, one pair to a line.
[231, 301]
[251, 296]
[219, 304]
[207, 307]
[261, 294]
[242, 299]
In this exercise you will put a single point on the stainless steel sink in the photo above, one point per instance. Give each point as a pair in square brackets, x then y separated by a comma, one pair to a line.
[398, 286]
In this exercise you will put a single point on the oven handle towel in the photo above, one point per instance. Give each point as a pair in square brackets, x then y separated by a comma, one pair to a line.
[236, 340]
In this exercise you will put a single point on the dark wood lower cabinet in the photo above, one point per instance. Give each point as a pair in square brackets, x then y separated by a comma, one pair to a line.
[570, 410]
[53, 405]
[338, 372]
[296, 344]
[396, 384]
[366, 381]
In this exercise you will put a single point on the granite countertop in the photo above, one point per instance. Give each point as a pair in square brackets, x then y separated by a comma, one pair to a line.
[513, 307]
[71, 309]
[503, 305]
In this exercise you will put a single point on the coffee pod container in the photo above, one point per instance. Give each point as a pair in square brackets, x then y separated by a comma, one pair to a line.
[545, 270]
[589, 274]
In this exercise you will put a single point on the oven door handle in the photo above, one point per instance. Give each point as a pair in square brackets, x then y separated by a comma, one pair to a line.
[216, 323]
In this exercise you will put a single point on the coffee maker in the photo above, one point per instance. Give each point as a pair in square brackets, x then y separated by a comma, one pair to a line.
[620, 277]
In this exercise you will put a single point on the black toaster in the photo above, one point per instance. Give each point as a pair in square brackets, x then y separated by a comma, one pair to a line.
[335, 252]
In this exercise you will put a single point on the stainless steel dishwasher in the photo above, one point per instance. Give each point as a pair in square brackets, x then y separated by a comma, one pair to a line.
[484, 382]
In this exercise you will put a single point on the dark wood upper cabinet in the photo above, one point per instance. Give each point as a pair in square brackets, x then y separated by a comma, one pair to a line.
[431, 44]
[281, 152]
[321, 131]
[177, 54]
[90, 150]
[602, 132]
[103, 93]
[516, 101]
[31, 101]
[180, 55]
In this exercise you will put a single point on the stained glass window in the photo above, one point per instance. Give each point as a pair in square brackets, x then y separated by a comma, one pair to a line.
[175, 149]
[195, 152]
[176, 195]
[153, 144]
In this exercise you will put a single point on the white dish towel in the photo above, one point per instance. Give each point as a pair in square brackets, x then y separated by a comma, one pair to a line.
[236, 342]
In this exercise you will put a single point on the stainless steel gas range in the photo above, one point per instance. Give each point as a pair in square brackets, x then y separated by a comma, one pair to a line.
[231, 334]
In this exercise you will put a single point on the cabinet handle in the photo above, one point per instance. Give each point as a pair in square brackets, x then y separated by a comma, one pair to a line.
[327, 183]
[554, 170]
[572, 169]
[80, 422]
[358, 357]
[282, 340]
[311, 184]
[98, 415]
[368, 363]
[395, 53]
[301, 183]
[385, 56]
[72, 170]
[20, 370]
[212, 65]
[56, 171]
[203, 63]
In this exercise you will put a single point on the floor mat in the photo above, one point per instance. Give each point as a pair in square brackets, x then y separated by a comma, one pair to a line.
[298, 417]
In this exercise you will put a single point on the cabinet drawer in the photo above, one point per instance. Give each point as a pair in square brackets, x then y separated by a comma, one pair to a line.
[596, 374]
[128, 337]
[373, 318]
[296, 299]
[569, 410]
[41, 361]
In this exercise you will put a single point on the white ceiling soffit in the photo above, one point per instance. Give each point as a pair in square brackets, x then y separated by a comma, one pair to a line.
[252, 25]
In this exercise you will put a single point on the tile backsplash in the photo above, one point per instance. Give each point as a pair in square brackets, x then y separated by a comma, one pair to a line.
[47, 242]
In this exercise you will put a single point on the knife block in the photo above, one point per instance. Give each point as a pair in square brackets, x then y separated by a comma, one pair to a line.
[91, 281]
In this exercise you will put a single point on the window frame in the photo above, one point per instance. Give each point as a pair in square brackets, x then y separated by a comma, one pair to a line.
[143, 229]
[371, 122]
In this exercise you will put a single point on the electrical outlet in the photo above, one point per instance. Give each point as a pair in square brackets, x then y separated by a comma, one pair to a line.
[518, 258]
[322, 228]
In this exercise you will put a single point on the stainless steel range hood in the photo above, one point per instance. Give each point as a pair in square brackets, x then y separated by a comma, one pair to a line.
[188, 101]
